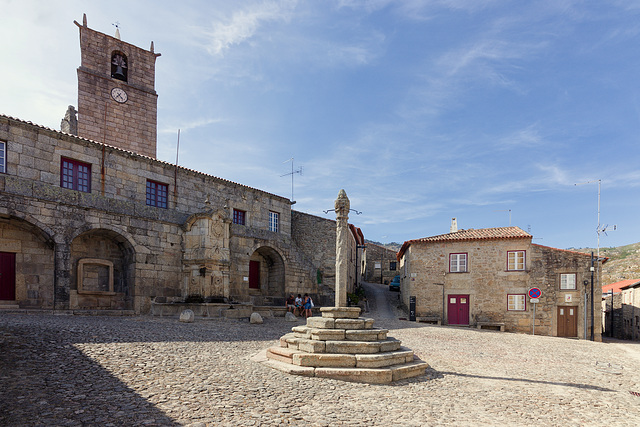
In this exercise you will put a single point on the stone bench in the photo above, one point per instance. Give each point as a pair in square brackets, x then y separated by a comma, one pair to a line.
[498, 326]
[430, 319]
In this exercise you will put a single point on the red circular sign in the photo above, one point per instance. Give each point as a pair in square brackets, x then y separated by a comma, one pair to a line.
[535, 293]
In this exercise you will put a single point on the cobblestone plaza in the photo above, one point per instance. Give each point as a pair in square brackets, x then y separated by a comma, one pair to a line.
[76, 370]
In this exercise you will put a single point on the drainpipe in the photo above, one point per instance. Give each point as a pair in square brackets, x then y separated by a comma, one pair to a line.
[443, 301]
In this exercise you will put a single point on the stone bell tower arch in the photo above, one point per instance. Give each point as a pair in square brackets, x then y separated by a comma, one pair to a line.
[117, 101]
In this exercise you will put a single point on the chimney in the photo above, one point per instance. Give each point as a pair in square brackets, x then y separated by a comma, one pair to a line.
[454, 225]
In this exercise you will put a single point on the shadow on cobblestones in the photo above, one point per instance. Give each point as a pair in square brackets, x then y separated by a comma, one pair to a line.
[47, 381]
[527, 380]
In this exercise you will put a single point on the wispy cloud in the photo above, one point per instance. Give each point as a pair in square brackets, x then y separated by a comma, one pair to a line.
[244, 24]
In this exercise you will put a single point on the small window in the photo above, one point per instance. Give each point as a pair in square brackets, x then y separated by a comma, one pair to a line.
[239, 216]
[157, 194]
[119, 66]
[457, 263]
[516, 302]
[568, 281]
[75, 175]
[274, 219]
[516, 260]
[3, 157]
[392, 266]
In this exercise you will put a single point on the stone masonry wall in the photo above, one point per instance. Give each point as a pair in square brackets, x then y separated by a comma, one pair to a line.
[30, 194]
[131, 125]
[316, 237]
[425, 275]
[384, 256]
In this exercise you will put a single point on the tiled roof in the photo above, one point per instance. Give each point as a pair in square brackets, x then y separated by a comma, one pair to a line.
[603, 259]
[499, 233]
[618, 286]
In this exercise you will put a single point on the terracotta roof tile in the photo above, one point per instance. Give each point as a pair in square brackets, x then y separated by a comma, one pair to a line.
[498, 233]
[618, 286]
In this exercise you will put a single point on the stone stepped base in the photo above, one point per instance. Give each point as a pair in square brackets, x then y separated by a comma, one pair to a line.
[341, 345]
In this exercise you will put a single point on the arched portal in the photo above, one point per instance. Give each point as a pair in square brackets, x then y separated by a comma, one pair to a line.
[266, 274]
[27, 266]
[102, 271]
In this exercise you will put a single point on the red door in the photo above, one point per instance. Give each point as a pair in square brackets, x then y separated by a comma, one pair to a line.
[458, 310]
[254, 274]
[7, 276]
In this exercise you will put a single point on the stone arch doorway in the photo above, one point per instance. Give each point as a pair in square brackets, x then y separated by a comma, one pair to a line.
[27, 264]
[266, 276]
[102, 271]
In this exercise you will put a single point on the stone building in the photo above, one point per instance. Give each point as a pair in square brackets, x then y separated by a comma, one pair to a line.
[483, 277]
[381, 265]
[88, 225]
[621, 309]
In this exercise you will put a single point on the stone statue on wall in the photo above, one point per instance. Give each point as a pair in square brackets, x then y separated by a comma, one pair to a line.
[69, 123]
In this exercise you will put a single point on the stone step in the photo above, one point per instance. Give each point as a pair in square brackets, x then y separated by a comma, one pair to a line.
[289, 368]
[375, 375]
[361, 375]
[333, 366]
[340, 312]
[380, 360]
[409, 370]
[366, 334]
[340, 334]
[331, 323]
[325, 360]
[340, 347]
[281, 354]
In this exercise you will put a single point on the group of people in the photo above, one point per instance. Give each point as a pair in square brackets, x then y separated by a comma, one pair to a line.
[300, 305]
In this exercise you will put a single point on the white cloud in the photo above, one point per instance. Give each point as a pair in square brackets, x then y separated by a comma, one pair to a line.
[244, 24]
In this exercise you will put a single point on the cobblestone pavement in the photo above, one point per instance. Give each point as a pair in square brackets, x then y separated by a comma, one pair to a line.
[60, 370]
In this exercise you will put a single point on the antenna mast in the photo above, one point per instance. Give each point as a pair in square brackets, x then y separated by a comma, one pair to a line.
[292, 173]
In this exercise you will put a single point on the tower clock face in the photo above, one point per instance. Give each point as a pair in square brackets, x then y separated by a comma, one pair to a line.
[119, 95]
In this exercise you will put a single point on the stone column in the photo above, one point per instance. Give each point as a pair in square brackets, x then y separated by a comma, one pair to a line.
[342, 206]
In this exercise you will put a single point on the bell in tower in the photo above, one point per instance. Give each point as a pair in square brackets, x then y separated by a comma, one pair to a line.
[119, 66]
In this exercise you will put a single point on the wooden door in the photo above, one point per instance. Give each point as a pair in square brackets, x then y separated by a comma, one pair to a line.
[7, 276]
[567, 321]
[458, 310]
[254, 274]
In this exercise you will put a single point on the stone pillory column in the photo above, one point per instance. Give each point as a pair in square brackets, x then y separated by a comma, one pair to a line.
[341, 344]
[342, 207]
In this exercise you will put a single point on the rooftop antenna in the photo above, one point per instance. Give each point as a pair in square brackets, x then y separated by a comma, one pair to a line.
[599, 228]
[292, 173]
[506, 210]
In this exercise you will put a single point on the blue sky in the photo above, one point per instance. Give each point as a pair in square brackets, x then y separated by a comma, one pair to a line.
[421, 110]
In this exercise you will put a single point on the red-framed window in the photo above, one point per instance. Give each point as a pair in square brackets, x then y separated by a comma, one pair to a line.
[75, 175]
[516, 302]
[239, 216]
[516, 260]
[157, 194]
[458, 263]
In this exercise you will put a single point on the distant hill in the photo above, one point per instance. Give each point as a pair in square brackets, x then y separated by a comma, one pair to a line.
[393, 245]
[624, 262]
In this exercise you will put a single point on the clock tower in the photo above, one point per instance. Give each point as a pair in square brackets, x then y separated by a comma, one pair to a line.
[117, 101]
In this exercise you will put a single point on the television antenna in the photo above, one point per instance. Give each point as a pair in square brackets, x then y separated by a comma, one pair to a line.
[292, 173]
[600, 228]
